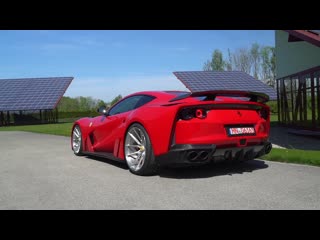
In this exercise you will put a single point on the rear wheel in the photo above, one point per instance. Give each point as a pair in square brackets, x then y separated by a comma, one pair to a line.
[138, 151]
[77, 141]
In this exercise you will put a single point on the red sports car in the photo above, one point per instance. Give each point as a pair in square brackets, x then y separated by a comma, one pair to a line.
[154, 128]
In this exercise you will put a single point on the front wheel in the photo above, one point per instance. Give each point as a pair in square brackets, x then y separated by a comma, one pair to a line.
[77, 141]
[138, 151]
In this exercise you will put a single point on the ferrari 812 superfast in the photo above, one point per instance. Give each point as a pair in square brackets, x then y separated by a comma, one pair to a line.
[150, 129]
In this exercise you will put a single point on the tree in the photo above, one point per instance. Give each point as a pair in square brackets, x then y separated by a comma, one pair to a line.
[116, 99]
[242, 60]
[79, 104]
[207, 66]
[216, 64]
[68, 104]
[273, 65]
[87, 103]
[217, 61]
[268, 63]
[258, 61]
[255, 57]
[101, 103]
[228, 63]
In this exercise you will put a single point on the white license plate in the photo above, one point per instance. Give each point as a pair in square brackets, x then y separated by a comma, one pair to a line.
[241, 131]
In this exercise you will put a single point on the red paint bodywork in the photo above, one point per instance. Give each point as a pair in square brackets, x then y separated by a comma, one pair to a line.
[159, 118]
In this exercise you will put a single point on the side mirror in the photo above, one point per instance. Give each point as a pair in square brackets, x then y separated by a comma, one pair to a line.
[103, 110]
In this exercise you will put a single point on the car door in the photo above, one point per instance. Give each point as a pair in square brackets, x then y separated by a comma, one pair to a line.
[106, 130]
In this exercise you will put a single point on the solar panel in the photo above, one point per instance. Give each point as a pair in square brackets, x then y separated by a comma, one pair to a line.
[316, 31]
[32, 93]
[197, 81]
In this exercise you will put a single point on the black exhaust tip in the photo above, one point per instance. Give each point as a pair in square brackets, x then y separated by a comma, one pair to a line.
[203, 155]
[192, 156]
[228, 155]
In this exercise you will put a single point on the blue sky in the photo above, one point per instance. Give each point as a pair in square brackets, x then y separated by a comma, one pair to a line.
[107, 63]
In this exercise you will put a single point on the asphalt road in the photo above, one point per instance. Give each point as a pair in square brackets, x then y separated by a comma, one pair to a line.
[40, 172]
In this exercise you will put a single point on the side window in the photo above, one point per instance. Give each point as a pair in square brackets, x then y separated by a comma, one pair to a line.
[130, 104]
[144, 100]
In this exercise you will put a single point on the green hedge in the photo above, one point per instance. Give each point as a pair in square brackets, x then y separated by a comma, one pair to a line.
[63, 115]
[273, 106]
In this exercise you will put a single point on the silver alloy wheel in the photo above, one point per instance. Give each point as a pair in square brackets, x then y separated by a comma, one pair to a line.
[76, 139]
[135, 148]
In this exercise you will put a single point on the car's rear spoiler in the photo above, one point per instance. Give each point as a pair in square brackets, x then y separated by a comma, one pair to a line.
[211, 95]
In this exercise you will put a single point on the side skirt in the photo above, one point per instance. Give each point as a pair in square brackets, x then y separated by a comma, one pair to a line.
[104, 155]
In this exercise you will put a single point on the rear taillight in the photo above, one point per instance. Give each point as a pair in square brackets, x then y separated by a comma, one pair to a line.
[189, 113]
[201, 113]
[264, 113]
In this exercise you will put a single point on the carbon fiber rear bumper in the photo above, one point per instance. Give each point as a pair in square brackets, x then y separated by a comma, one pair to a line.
[194, 154]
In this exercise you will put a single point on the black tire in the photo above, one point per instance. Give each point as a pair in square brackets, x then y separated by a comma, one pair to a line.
[77, 151]
[149, 165]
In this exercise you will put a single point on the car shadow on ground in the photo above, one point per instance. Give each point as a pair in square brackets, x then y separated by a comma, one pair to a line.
[109, 161]
[203, 171]
[212, 169]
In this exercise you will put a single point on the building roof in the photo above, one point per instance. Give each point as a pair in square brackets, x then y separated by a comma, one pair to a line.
[32, 93]
[310, 36]
[197, 81]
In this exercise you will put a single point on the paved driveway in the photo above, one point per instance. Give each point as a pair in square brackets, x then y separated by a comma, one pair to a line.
[40, 172]
[281, 138]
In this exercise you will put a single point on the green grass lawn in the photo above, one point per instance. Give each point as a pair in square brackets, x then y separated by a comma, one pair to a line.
[293, 156]
[63, 129]
[274, 118]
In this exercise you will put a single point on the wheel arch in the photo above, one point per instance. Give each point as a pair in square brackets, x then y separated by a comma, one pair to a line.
[158, 122]
[147, 165]
[121, 147]
[82, 123]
